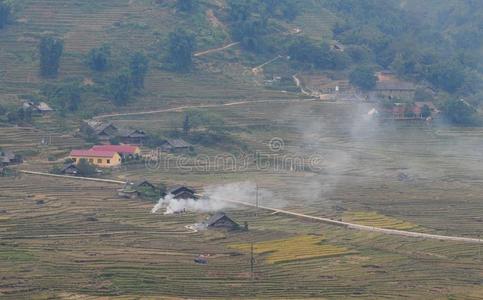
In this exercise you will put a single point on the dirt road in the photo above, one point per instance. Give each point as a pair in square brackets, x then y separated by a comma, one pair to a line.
[198, 54]
[185, 107]
[304, 216]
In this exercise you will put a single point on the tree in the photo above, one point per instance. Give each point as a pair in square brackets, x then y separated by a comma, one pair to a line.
[138, 69]
[363, 77]
[185, 5]
[67, 96]
[98, 59]
[186, 124]
[459, 112]
[180, 50]
[85, 168]
[50, 52]
[426, 111]
[449, 76]
[120, 88]
[5, 10]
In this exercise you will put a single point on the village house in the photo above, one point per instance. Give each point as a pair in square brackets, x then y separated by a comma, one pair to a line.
[182, 192]
[175, 145]
[103, 131]
[106, 131]
[70, 169]
[221, 220]
[127, 152]
[143, 188]
[388, 86]
[41, 107]
[416, 111]
[103, 159]
[9, 158]
[131, 136]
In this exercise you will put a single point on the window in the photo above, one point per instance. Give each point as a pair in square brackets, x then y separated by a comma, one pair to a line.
[91, 160]
[99, 161]
[74, 159]
[108, 161]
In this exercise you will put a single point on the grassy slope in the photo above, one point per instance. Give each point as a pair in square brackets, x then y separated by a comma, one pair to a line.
[128, 26]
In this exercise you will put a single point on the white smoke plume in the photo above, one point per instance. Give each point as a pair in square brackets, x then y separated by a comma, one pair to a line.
[214, 198]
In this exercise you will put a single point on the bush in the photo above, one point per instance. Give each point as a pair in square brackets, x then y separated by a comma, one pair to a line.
[98, 59]
[363, 77]
[50, 52]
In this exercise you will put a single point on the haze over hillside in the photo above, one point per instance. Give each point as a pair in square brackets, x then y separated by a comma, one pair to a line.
[241, 149]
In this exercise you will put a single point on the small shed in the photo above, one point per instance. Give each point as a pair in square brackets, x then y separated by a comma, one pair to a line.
[9, 158]
[183, 192]
[221, 220]
[175, 145]
[70, 169]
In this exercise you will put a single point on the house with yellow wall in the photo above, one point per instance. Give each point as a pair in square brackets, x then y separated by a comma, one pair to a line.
[104, 159]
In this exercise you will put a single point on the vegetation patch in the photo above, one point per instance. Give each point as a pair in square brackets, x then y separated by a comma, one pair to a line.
[377, 220]
[293, 249]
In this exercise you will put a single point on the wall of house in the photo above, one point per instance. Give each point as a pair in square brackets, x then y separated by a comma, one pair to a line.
[100, 161]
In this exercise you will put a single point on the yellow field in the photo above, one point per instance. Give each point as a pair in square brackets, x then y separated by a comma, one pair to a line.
[292, 249]
[377, 220]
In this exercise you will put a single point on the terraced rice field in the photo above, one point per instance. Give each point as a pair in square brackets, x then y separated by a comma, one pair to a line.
[293, 249]
[377, 220]
[62, 238]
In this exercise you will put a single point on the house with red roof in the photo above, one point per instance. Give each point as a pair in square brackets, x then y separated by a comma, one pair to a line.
[126, 151]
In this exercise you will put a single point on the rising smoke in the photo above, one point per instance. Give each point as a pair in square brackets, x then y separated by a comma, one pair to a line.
[214, 198]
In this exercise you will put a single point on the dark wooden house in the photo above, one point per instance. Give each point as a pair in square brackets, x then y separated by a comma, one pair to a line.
[182, 192]
[9, 158]
[221, 220]
[103, 131]
[132, 136]
[175, 145]
[70, 169]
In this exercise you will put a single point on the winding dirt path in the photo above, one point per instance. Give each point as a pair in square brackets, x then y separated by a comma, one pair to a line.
[202, 53]
[304, 216]
[185, 107]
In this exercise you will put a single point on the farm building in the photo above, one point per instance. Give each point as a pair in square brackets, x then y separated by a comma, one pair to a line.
[390, 87]
[9, 158]
[97, 158]
[221, 220]
[132, 136]
[182, 192]
[70, 169]
[41, 107]
[416, 111]
[175, 145]
[142, 188]
[103, 131]
[126, 151]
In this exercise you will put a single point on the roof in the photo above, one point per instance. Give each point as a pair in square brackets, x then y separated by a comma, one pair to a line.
[217, 217]
[93, 153]
[132, 133]
[395, 86]
[129, 149]
[427, 103]
[99, 126]
[7, 154]
[42, 106]
[178, 189]
[68, 166]
[142, 182]
[178, 143]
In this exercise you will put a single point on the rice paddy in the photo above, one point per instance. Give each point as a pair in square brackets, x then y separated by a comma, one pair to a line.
[293, 249]
[377, 220]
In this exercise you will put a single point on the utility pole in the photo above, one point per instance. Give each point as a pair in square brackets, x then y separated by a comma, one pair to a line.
[252, 263]
[479, 247]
